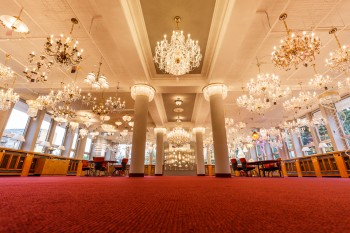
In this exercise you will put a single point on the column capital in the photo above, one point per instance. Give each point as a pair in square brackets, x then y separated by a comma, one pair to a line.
[159, 130]
[214, 89]
[143, 89]
[198, 130]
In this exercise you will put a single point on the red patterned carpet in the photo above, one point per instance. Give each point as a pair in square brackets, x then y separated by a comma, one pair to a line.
[174, 204]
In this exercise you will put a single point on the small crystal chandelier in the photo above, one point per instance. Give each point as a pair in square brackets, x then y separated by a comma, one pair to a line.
[97, 81]
[108, 128]
[100, 109]
[6, 73]
[126, 118]
[255, 105]
[33, 107]
[49, 100]
[36, 74]
[62, 114]
[64, 50]
[7, 98]
[180, 56]
[339, 60]
[70, 93]
[304, 99]
[114, 104]
[178, 136]
[88, 99]
[319, 81]
[295, 49]
[14, 23]
[83, 133]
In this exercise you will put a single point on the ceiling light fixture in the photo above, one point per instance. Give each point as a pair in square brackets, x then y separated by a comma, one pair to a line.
[178, 102]
[6, 73]
[114, 103]
[339, 60]
[14, 23]
[178, 136]
[180, 56]
[97, 81]
[295, 48]
[35, 74]
[7, 98]
[319, 81]
[64, 50]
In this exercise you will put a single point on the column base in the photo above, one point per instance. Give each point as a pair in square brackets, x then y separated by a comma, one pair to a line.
[136, 174]
[200, 174]
[223, 175]
[158, 174]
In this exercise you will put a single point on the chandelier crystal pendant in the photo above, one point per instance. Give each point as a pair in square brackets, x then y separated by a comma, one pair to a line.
[64, 50]
[35, 74]
[7, 98]
[339, 60]
[14, 23]
[295, 49]
[97, 81]
[180, 56]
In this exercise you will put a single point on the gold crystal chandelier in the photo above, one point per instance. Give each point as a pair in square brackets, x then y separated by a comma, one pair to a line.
[69, 94]
[64, 50]
[62, 114]
[180, 56]
[295, 49]
[114, 104]
[100, 109]
[339, 60]
[97, 81]
[36, 73]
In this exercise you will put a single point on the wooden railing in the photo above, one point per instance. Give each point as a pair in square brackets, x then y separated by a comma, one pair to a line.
[24, 163]
[333, 164]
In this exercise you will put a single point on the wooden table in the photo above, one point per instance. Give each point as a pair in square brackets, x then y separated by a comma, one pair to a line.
[261, 164]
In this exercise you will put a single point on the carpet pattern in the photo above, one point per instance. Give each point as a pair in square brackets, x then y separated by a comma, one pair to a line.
[174, 204]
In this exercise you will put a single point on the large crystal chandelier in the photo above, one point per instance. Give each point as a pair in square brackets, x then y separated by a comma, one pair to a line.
[114, 104]
[6, 73]
[295, 49]
[7, 98]
[36, 74]
[64, 50]
[97, 81]
[253, 104]
[14, 23]
[180, 56]
[339, 60]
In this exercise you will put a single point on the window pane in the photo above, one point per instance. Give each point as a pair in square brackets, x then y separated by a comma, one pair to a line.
[72, 154]
[88, 145]
[75, 140]
[307, 140]
[43, 133]
[343, 112]
[58, 137]
[16, 124]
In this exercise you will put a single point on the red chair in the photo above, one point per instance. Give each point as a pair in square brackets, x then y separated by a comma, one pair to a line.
[248, 170]
[86, 167]
[121, 169]
[235, 166]
[271, 167]
[100, 165]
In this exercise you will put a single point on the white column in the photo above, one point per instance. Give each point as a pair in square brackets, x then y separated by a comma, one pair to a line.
[199, 131]
[68, 142]
[81, 148]
[296, 144]
[159, 150]
[314, 136]
[268, 151]
[32, 132]
[215, 94]
[142, 94]
[4, 117]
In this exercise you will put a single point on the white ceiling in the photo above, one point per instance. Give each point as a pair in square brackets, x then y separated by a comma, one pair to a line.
[240, 31]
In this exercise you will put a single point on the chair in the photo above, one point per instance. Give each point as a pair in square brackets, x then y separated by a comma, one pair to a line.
[271, 167]
[235, 166]
[120, 169]
[248, 170]
[100, 164]
[86, 167]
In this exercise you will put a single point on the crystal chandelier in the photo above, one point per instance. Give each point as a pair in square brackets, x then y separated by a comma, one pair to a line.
[108, 128]
[100, 109]
[114, 104]
[329, 97]
[73, 125]
[180, 56]
[97, 81]
[64, 50]
[178, 136]
[319, 81]
[47, 100]
[83, 133]
[240, 125]
[62, 114]
[339, 60]
[7, 98]
[278, 94]
[6, 73]
[88, 99]
[295, 49]
[33, 107]
[126, 118]
[256, 105]
[69, 94]
[36, 74]
[14, 23]
[304, 99]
